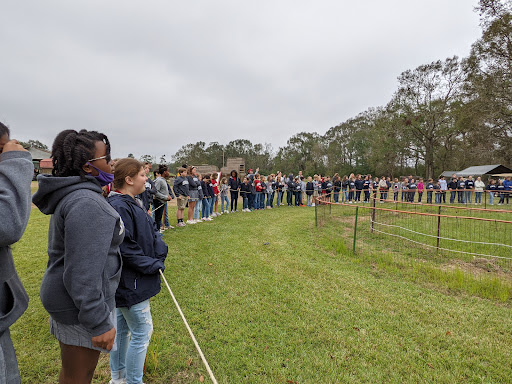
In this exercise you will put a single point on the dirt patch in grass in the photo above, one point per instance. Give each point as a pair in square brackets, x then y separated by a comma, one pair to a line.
[479, 267]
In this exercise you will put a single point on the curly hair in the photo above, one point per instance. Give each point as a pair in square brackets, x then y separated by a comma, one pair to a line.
[4, 130]
[71, 150]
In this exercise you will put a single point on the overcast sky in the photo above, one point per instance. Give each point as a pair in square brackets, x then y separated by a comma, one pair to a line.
[155, 75]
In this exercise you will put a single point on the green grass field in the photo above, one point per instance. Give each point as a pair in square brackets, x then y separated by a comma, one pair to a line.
[300, 309]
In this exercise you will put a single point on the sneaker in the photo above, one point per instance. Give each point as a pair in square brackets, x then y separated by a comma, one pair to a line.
[191, 222]
[117, 381]
[162, 230]
[208, 219]
[169, 227]
[181, 224]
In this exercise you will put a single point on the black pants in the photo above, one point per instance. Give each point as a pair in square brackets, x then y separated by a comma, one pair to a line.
[234, 199]
[289, 195]
[159, 212]
[9, 372]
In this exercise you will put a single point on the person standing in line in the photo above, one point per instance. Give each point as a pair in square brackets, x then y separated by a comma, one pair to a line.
[461, 185]
[290, 184]
[143, 252]
[16, 172]
[452, 186]
[215, 198]
[359, 183]
[224, 192]
[470, 185]
[430, 187]
[412, 190]
[351, 187]
[149, 191]
[383, 189]
[244, 192]
[508, 187]
[501, 192]
[479, 190]
[162, 196]
[84, 261]
[344, 189]
[337, 188]
[181, 191]
[492, 187]
[234, 187]
[421, 188]
[193, 194]
[444, 187]
[310, 188]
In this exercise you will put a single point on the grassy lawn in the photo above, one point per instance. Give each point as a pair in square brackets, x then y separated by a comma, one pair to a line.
[298, 309]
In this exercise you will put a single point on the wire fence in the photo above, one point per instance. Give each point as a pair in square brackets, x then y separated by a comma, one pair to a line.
[472, 242]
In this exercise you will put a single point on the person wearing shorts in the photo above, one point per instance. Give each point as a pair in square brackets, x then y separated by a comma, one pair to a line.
[181, 191]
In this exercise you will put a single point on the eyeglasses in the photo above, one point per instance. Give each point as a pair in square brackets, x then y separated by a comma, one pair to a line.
[106, 157]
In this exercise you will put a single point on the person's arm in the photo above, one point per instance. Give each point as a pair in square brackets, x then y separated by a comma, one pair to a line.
[152, 189]
[16, 171]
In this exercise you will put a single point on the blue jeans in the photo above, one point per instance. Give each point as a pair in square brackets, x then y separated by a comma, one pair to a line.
[270, 199]
[344, 197]
[246, 203]
[166, 216]
[478, 197]
[491, 198]
[205, 212]
[279, 198]
[212, 201]
[336, 197]
[197, 210]
[438, 198]
[468, 196]
[222, 200]
[256, 201]
[128, 360]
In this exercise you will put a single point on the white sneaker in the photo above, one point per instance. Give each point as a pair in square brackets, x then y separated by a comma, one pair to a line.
[208, 219]
[191, 222]
[117, 381]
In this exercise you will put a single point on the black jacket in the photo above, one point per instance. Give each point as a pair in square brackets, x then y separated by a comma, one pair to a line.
[143, 252]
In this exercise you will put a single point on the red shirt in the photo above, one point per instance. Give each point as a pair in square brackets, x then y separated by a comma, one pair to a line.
[257, 185]
[215, 187]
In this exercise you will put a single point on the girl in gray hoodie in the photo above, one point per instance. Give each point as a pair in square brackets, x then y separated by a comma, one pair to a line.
[84, 262]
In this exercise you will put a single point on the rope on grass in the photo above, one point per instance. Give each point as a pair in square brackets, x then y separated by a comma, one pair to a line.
[189, 330]
[444, 238]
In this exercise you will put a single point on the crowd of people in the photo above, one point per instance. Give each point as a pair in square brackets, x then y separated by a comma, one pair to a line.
[202, 193]
[105, 248]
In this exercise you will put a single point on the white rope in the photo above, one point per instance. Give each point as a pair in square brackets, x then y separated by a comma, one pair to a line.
[443, 249]
[189, 330]
[443, 238]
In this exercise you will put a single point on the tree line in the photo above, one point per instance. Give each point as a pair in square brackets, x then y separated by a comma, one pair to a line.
[446, 115]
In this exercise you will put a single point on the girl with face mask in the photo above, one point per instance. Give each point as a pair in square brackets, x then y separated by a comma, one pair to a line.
[84, 266]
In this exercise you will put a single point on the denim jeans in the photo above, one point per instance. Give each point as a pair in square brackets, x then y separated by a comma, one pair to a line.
[468, 197]
[134, 330]
[289, 195]
[246, 203]
[212, 201]
[309, 200]
[270, 199]
[297, 198]
[256, 201]
[344, 196]
[491, 198]
[205, 211]
[250, 196]
[222, 200]
[429, 197]
[336, 197]
[452, 197]
[420, 195]
[197, 210]
[279, 198]
[478, 197]
[438, 198]
[262, 200]
[166, 216]
[351, 195]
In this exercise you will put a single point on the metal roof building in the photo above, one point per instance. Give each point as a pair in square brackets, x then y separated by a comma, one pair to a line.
[479, 170]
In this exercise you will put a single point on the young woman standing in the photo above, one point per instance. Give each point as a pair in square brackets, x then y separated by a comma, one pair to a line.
[84, 266]
[143, 252]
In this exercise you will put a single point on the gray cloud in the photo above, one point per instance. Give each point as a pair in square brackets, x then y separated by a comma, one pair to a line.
[156, 75]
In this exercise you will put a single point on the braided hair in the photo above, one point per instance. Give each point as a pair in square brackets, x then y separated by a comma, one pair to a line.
[71, 150]
[4, 130]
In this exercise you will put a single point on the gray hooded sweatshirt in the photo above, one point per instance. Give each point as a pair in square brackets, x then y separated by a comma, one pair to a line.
[16, 171]
[84, 265]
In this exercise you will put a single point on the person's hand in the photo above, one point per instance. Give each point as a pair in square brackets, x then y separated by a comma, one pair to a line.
[168, 198]
[13, 145]
[105, 340]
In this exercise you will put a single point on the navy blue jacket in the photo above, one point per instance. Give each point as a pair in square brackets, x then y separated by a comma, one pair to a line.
[148, 194]
[234, 184]
[143, 252]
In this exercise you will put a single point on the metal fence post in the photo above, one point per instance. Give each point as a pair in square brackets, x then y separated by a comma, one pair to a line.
[316, 213]
[438, 226]
[355, 232]
[372, 214]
